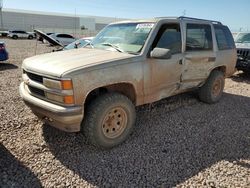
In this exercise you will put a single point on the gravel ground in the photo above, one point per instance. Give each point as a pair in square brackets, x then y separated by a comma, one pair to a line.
[178, 142]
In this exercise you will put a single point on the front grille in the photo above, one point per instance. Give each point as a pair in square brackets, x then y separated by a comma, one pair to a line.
[36, 91]
[244, 53]
[35, 77]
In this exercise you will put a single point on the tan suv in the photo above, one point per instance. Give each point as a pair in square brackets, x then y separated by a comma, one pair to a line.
[96, 88]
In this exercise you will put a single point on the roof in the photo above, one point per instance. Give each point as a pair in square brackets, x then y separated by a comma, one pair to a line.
[168, 18]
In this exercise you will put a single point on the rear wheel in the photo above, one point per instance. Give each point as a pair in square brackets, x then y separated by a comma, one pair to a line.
[30, 37]
[15, 37]
[212, 90]
[109, 120]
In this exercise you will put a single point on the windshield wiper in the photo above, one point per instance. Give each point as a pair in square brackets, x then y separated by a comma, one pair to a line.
[113, 46]
[89, 44]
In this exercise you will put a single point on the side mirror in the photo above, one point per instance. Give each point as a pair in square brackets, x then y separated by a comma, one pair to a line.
[161, 53]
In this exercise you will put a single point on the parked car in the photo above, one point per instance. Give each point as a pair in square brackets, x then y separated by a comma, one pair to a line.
[4, 55]
[242, 42]
[64, 39]
[15, 34]
[4, 33]
[96, 88]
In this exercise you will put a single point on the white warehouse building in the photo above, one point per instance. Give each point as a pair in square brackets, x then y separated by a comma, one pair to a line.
[13, 19]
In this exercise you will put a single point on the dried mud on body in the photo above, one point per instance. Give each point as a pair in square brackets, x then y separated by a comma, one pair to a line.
[176, 142]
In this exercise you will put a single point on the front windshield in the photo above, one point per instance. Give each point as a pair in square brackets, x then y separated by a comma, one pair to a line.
[243, 38]
[124, 37]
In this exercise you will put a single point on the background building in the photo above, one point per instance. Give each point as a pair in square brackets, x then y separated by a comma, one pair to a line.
[54, 22]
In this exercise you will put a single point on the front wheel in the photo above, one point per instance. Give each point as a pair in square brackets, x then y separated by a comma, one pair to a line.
[109, 120]
[212, 90]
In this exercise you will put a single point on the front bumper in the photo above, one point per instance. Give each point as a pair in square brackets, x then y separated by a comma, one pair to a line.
[64, 118]
[243, 65]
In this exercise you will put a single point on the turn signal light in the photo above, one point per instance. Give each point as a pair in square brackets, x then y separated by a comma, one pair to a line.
[69, 99]
[67, 84]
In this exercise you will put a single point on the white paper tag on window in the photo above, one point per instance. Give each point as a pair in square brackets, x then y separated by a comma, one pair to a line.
[145, 26]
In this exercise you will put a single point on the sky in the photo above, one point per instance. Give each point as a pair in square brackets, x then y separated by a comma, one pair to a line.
[234, 13]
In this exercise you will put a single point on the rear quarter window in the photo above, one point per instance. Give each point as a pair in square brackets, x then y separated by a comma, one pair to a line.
[224, 37]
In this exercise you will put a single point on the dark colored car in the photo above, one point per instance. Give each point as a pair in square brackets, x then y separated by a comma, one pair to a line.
[4, 55]
[242, 42]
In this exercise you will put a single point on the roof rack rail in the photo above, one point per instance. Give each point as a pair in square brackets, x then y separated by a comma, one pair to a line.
[190, 18]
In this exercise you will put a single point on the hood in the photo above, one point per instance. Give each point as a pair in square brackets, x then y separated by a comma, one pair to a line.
[52, 41]
[242, 45]
[58, 63]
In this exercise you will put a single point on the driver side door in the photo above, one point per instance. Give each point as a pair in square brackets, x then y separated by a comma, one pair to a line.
[164, 75]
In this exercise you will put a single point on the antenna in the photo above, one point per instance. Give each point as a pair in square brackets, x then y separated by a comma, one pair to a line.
[1, 13]
[184, 12]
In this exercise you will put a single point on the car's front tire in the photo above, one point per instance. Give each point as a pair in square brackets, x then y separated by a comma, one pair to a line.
[109, 120]
[212, 90]
[15, 37]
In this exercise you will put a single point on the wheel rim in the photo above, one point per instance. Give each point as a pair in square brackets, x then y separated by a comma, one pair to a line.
[114, 122]
[216, 89]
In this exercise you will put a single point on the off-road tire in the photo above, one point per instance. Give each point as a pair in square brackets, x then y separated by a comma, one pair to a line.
[94, 124]
[215, 81]
[15, 37]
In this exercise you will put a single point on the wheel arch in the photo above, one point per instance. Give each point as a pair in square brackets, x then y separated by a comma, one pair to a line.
[221, 68]
[124, 88]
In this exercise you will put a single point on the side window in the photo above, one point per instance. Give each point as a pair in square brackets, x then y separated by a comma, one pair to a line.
[199, 37]
[224, 37]
[65, 36]
[169, 37]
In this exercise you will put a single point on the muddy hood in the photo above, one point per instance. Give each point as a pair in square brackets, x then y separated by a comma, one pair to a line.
[242, 45]
[58, 63]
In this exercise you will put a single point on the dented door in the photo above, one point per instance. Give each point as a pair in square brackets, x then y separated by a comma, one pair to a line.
[162, 77]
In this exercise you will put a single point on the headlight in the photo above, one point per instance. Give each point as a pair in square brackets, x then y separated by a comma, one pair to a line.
[61, 99]
[59, 85]
[56, 84]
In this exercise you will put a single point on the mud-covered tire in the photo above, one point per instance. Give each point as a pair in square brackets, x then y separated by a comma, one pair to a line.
[109, 120]
[211, 92]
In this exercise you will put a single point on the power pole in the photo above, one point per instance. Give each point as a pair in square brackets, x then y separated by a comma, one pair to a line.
[1, 13]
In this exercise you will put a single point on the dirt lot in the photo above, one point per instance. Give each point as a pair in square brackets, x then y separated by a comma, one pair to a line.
[177, 142]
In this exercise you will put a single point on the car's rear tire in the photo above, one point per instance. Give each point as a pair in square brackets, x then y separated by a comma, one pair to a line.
[109, 120]
[30, 37]
[212, 90]
[15, 37]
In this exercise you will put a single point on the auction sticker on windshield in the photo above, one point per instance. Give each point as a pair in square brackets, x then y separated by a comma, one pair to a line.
[145, 26]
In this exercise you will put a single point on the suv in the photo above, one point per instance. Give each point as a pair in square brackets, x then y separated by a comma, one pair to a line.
[96, 88]
[242, 42]
[21, 34]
